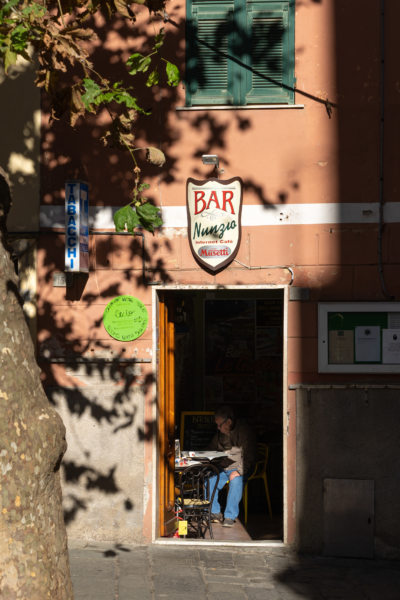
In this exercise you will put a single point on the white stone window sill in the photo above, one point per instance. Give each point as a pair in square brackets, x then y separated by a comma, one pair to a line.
[245, 107]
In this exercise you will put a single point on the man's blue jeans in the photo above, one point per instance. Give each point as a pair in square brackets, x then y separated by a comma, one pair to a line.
[235, 492]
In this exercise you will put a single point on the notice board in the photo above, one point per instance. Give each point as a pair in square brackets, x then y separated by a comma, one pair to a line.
[197, 429]
[359, 337]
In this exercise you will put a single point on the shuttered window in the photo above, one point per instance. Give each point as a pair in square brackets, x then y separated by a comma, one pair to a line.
[240, 52]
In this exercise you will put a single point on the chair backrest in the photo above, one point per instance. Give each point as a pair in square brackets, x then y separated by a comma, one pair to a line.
[262, 452]
[194, 482]
[262, 458]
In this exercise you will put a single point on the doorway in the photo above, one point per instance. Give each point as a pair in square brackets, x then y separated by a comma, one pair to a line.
[223, 347]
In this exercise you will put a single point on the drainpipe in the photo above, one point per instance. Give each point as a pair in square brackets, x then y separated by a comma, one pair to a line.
[381, 150]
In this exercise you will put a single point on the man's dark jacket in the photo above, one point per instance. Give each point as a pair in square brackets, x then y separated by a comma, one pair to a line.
[241, 436]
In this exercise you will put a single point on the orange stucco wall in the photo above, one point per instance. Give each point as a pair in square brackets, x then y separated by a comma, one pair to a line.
[285, 156]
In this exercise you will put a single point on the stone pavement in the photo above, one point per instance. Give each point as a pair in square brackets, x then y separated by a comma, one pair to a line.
[154, 572]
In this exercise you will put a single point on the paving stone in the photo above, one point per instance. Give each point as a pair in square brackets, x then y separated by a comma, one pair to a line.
[219, 571]
[223, 588]
[113, 572]
[231, 595]
[261, 594]
[176, 557]
[250, 564]
[190, 580]
[381, 592]
[279, 563]
[89, 575]
[289, 594]
[225, 579]
[344, 595]
[217, 558]
[175, 595]
[260, 582]
[130, 588]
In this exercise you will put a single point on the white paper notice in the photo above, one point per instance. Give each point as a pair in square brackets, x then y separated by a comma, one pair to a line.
[341, 347]
[368, 344]
[394, 320]
[391, 346]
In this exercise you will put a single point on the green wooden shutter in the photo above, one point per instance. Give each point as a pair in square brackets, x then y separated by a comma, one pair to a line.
[271, 75]
[209, 75]
[257, 35]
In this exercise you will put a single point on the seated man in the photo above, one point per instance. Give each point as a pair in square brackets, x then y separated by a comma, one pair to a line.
[236, 438]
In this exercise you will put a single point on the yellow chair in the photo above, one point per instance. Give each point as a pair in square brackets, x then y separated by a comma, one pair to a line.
[260, 472]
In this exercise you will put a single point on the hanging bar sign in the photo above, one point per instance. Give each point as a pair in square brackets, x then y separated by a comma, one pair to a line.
[214, 210]
[76, 227]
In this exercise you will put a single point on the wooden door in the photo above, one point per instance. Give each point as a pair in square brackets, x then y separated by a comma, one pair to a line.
[166, 401]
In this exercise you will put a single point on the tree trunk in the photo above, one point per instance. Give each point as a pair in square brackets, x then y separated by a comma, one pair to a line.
[33, 544]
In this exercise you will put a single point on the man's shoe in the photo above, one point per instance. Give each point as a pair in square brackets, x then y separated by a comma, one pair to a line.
[216, 518]
[228, 523]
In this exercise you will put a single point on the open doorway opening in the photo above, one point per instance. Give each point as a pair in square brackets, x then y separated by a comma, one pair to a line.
[227, 348]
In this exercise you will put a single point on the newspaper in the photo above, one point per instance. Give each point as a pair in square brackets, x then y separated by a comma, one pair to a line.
[208, 454]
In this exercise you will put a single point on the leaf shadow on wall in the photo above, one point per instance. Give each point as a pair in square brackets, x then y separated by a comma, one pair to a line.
[70, 353]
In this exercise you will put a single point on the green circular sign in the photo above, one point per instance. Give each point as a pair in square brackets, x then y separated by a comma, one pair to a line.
[125, 318]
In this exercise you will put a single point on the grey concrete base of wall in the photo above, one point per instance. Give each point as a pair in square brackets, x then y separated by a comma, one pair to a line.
[103, 468]
[348, 435]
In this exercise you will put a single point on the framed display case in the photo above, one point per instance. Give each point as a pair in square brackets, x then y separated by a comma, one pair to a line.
[359, 337]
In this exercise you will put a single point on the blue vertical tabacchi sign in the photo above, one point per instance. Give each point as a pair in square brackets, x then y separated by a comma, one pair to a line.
[76, 226]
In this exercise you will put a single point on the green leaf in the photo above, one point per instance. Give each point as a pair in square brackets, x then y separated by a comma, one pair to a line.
[172, 74]
[95, 95]
[138, 63]
[10, 58]
[159, 39]
[124, 97]
[19, 38]
[133, 62]
[126, 219]
[92, 91]
[105, 97]
[7, 7]
[149, 216]
[35, 9]
[144, 64]
[153, 78]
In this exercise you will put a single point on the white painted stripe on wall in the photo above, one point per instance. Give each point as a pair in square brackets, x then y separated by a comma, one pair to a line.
[101, 217]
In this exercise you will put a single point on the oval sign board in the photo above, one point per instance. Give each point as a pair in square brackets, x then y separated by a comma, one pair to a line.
[125, 318]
